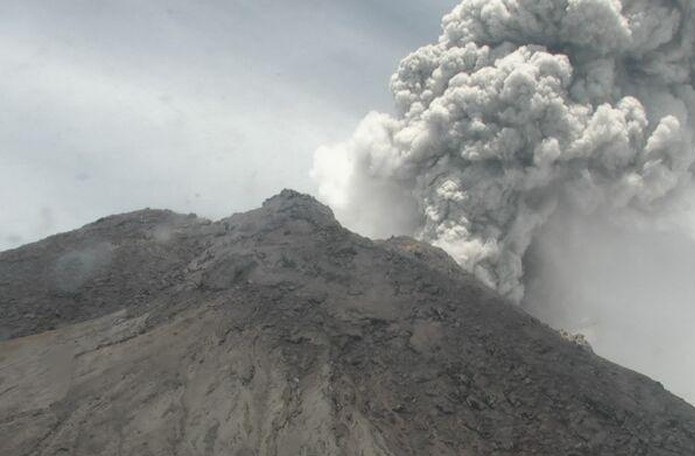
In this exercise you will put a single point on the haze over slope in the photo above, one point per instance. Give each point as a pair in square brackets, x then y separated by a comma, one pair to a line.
[278, 332]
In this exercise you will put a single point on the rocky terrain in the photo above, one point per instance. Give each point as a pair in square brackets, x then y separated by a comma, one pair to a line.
[278, 332]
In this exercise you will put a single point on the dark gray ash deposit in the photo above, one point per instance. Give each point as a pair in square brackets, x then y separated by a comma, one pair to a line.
[279, 332]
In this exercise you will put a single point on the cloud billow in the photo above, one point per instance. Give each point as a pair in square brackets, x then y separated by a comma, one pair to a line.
[521, 109]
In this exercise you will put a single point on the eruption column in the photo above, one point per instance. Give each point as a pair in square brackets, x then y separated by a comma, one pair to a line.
[524, 108]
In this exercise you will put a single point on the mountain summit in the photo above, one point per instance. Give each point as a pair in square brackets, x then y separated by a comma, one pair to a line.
[279, 332]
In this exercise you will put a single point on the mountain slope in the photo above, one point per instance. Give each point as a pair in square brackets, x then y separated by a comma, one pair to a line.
[278, 332]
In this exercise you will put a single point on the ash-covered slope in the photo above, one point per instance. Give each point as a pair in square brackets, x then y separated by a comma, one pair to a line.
[278, 332]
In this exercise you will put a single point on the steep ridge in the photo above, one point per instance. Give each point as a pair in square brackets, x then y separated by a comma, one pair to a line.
[278, 332]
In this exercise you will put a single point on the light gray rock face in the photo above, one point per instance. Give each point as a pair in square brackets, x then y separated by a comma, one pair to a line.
[278, 332]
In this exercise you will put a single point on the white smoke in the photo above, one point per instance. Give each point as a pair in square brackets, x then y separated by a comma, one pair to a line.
[523, 108]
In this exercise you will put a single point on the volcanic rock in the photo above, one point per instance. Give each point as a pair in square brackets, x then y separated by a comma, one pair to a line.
[279, 332]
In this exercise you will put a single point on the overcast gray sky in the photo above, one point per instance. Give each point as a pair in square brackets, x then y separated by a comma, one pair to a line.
[207, 106]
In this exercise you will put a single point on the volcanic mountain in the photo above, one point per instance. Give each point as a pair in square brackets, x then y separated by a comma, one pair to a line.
[279, 332]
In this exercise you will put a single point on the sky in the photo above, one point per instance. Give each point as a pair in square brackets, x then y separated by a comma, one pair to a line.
[207, 107]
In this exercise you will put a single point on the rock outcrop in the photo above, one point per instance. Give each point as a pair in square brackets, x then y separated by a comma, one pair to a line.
[278, 332]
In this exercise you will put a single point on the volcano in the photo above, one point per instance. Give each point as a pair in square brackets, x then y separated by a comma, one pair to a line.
[279, 332]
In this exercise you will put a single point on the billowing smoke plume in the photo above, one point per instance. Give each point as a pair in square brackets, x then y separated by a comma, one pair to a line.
[524, 108]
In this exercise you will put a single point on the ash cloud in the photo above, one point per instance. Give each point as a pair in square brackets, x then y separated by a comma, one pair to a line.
[548, 146]
[627, 289]
[523, 110]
